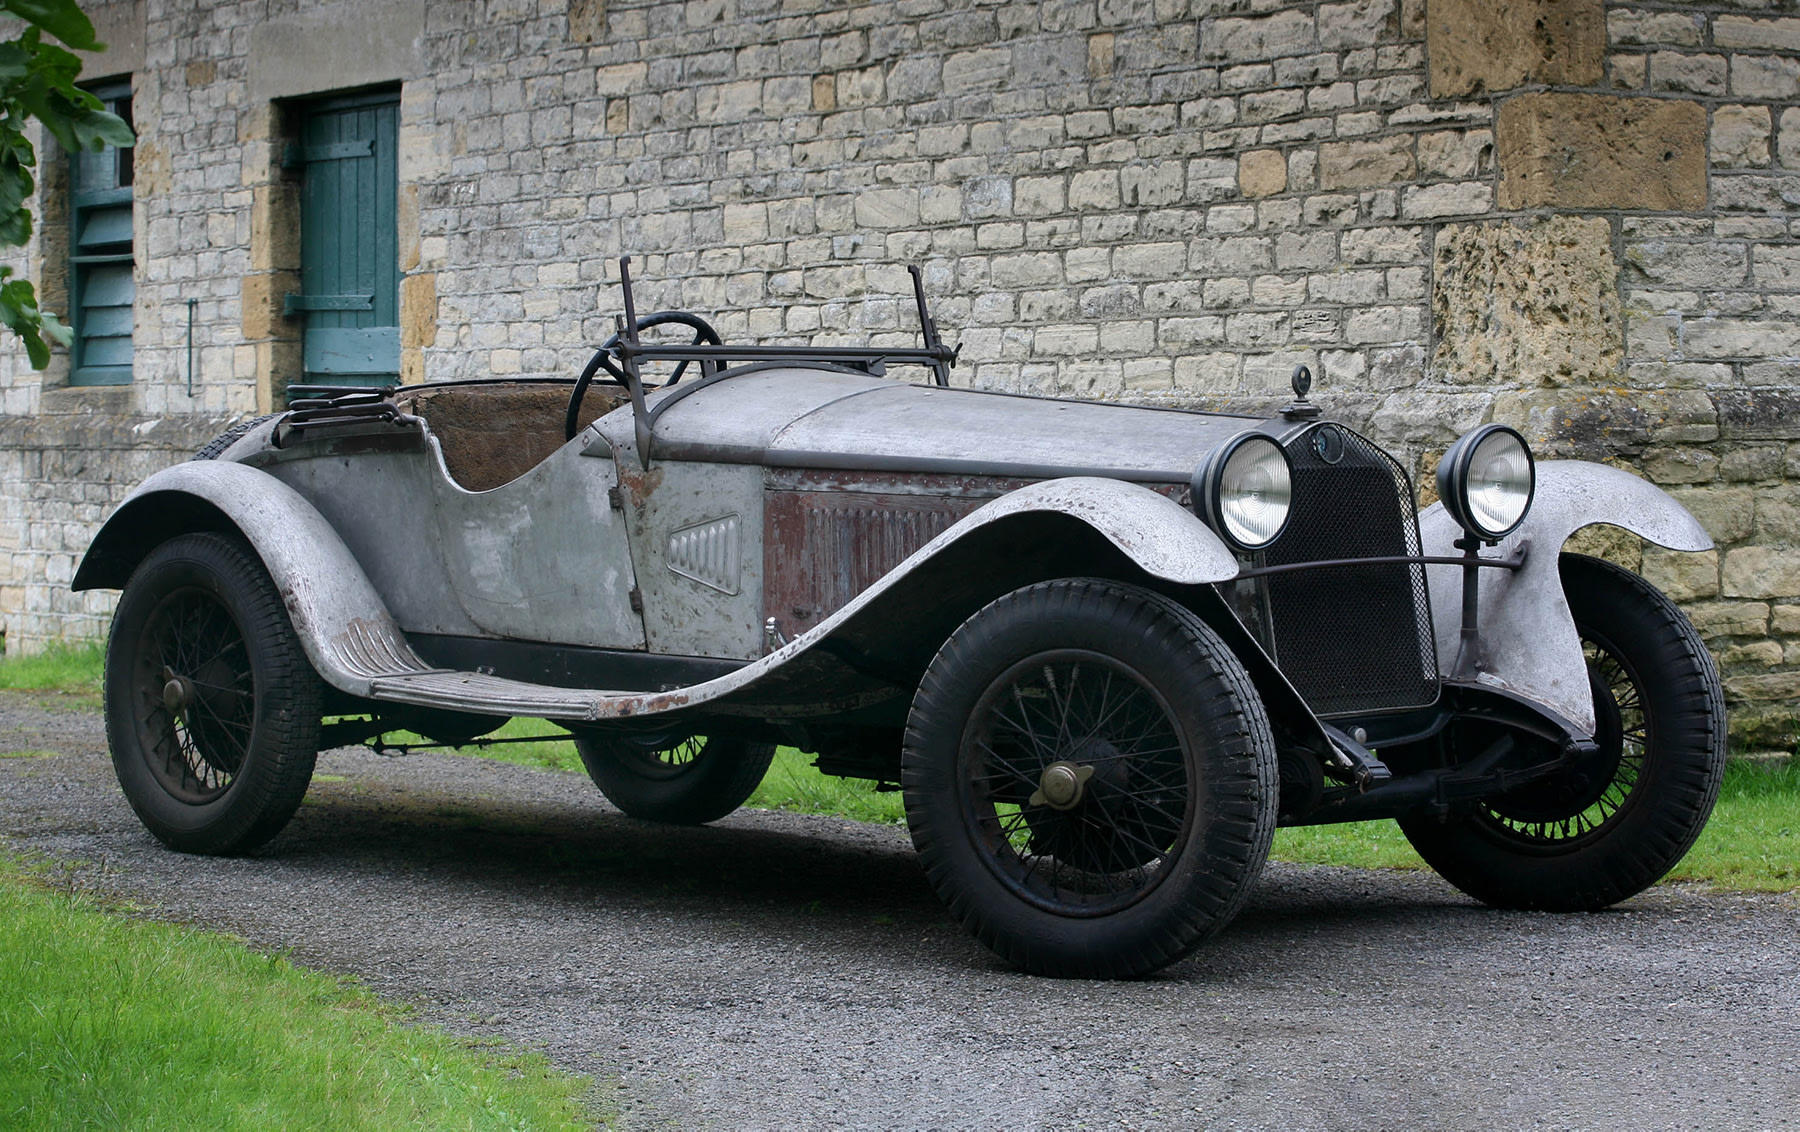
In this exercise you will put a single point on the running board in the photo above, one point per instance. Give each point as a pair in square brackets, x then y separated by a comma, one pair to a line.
[482, 694]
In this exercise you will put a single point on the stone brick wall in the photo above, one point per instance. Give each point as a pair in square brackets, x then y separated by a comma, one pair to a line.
[1572, 215]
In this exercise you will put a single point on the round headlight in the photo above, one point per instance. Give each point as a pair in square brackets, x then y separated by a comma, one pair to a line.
[1486, 481]
[1246, 488]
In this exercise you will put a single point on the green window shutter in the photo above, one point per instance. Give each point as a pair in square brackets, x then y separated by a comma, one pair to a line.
[102, 272]
[349, 297]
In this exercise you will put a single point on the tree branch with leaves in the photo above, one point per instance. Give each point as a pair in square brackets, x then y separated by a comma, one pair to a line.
[37, 81]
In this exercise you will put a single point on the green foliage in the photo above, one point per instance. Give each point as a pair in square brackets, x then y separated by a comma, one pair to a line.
[37, 81]
[119, 1023]
[72, 668]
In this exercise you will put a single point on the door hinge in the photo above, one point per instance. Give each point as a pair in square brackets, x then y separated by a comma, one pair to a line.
[615, 497]
[637, 600]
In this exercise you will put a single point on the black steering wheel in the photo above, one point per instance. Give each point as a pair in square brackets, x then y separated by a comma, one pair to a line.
[602, 359]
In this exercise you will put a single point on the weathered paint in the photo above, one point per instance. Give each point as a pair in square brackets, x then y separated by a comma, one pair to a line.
[342, 623]
[542, 558]
[1529, 643]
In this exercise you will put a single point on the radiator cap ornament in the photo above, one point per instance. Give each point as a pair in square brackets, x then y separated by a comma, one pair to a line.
[1301, 409]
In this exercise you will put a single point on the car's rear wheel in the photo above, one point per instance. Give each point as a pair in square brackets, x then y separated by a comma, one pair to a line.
[1089, 778]
[677, 779]
[1605, 830]
[212, 708]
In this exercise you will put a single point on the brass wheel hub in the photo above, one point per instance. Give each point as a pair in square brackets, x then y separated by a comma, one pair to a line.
[177, 692]
[1062, 785]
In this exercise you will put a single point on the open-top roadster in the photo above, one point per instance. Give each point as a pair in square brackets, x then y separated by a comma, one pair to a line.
[1104, 649]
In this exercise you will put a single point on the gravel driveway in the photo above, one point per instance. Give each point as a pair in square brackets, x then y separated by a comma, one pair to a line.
[783, 971]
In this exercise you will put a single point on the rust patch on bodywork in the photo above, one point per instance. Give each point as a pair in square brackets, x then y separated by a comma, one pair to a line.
[823, 548]
[831, 534]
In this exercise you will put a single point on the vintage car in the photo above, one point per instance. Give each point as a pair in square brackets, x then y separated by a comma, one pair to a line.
[1105, 650]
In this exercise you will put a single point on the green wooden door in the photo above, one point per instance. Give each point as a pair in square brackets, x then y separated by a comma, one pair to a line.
[349, 247]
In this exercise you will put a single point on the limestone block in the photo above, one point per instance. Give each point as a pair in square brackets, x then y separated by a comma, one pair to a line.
[1764, 76]
[1727, 513]
[1750, 32]
[1755, 654]
[1780, 687]
[1359, 164]
[1382, 245]
[1288, 32]
[1787, 147]
[1456, 154]
[1150, 185]
[887, 208]
[1656, 29]
[1601, 151]
[1262, 172]
[1784, 620]
[1435, 202]
[1740, 136]
[1680, 465]
[260, 300]
[1761, 572]
[1778, 518]
[1477, 46]
[1683, 576]
[1669, 263]
[1677, 72]
[1536, 304]
[1357, 24]
[1759, 414]
[1094, 190]
[1729, 618]
[1628, 72]
[418, 310]
[1740, 338]
[1745, 463]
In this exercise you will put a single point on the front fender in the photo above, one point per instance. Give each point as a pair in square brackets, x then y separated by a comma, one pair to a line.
[342, 622]
[1528, 637]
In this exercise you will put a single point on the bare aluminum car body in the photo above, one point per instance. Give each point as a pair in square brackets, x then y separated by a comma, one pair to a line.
[778, 547]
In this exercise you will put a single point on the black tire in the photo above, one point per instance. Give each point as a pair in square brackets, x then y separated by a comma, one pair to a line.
[677, 780]
[1118, 839]
[212, 448]
[212, 709]
[1598, 834]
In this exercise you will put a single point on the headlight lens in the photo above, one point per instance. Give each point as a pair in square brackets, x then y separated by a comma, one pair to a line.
[1487, 480]
[1247, 488]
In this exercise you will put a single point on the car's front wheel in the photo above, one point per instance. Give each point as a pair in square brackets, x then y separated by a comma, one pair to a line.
[212, 708]
[677, 779]
[1597, 833]
[1089, 778]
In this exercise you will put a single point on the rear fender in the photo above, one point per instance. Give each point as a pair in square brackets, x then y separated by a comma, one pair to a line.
[342, 622]
[1528, 639]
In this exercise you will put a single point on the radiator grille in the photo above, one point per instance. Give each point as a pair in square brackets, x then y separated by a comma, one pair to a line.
[1354, 638]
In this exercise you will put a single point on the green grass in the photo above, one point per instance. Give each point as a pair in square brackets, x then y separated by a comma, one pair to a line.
[63, 668]
[1752, 842]
[114, 1022]
[793, 783]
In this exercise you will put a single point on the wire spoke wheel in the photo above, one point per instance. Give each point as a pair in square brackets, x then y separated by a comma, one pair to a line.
[1078, 781]
[674, 778]
[1582, 803]
[1090, 779]
[1617, 821]
[195, 695]
[211, 707]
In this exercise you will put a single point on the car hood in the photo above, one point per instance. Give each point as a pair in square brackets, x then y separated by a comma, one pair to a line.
[821, 418]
